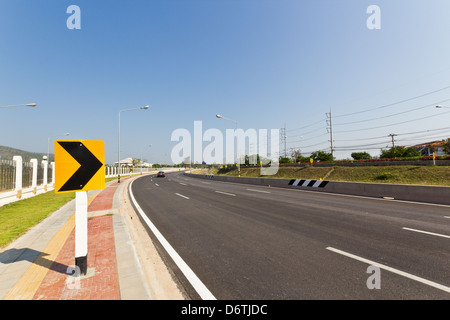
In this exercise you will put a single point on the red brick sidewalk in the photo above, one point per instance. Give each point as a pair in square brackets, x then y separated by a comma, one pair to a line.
[101, 281]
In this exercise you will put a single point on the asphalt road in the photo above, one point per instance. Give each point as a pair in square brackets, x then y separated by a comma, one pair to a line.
[251, 242]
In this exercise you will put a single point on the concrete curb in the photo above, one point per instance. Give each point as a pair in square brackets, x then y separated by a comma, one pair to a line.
[427, 194]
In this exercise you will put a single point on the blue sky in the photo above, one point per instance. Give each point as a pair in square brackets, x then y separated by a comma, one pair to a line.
[266, 63]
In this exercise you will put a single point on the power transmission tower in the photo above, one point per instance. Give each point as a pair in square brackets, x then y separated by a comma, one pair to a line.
[330, 131]
[283, 138]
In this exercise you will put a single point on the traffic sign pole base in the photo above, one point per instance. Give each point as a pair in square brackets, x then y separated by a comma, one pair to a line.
[81, 263]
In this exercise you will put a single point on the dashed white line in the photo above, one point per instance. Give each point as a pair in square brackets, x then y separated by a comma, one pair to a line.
[448, 217]
[427, 232]
[180, 195]
[258, 191]
[206, 182]
[229, 194]
[381, 266]
[183, 184]
[156, 184]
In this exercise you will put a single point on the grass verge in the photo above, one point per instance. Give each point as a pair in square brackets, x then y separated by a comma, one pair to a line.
[419, 175]
[18, 217]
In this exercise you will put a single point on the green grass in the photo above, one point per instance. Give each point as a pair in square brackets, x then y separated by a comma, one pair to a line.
[420, 175]
[18, 217]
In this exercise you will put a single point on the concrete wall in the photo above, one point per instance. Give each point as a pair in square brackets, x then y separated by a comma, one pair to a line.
[428, 194]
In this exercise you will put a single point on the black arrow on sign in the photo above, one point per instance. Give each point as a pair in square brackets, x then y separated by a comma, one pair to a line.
[89, 165]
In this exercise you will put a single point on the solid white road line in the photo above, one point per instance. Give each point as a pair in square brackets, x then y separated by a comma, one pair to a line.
[183, 184]
[229, 194]
[427, 232]
[182, 196]
[258, 191]
[381, 266]
[198, 285]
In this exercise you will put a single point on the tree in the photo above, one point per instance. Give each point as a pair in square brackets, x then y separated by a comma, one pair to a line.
[285, 160]
[136, 162]
[411, 152]
[399, 152]
[295, 153]
[321, 156]
[302, 159]
[446, 145]
[361, 156]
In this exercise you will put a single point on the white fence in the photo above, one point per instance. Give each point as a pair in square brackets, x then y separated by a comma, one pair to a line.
[43, 178]
[39, 184]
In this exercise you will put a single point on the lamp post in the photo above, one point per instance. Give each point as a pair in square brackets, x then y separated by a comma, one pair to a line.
[237, 144]
[20, 105]
[118, 156]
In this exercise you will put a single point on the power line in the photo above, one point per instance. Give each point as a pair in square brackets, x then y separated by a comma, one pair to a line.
[400, 134]
[394, 103]
[308, 126]
[394, 124]
[394, 114]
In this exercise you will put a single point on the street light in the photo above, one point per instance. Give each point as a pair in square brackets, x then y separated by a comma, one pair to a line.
[20, 105]
[118, 156]
[237, 143]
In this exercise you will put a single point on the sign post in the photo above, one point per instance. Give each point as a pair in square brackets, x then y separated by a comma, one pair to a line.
[81, 219]
[79, 167]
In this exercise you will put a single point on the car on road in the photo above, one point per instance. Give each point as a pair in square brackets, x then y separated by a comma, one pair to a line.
[161, 174]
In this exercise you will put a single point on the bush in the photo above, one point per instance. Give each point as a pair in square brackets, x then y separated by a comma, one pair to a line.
[385, 176]
[285, 160]
[361, 156]
[400, 152]
[321, 156]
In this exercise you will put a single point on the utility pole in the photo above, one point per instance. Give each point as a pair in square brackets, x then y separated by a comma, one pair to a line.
[283, 139]
[392, 135]
[330, 130]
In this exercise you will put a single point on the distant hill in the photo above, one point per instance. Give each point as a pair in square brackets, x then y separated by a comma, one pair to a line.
[9, 153]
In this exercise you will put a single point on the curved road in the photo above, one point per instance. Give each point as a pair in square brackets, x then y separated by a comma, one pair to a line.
[253, 242]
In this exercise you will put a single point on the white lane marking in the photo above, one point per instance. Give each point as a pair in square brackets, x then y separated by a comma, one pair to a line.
[156, 184]
[447, 217]
[206, 182]
[183, 184]
[258, 191]
[182, 196]
[198, 285]
[229, 194]
[427, 232]
[381, 266]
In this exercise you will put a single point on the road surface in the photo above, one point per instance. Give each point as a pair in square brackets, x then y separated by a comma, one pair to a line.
[250, 242]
